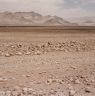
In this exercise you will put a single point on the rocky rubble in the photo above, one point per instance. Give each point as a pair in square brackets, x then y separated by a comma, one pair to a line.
[51, 84]
[69, 89]
[29, 91]
[8, 49]
[65, 86]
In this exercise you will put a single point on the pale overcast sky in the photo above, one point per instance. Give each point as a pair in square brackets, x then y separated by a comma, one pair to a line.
[63, 8]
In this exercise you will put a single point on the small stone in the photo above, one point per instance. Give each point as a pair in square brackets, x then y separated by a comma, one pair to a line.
[12, 46]
[8, 93]
[24, 91]
[87, 90]
[71, 93]
[60, 82]
[34, 93]
[11, 78]
[60, 94]
[19, 45]
[52, 92]
[15, 93]
[77, 81]
[73, 67]
[16, 88]
[92, 79]
[27, 91]
[19, 53]
[37, 52]
[28, 76]
[3, 79]
[2, 93]
[30, 90]
[70, 87]
[38, 82]
[27, 53]
[71, 79]
[7, 55]
[49, 81]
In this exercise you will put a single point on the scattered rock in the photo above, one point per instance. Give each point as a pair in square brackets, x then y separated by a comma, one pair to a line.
[28, 76]
[8, 93]
[27, 53]
[71, 90]
[24, 91]
[77, 81]
[72, 93]
[37, 52]
[2, 93]
[92, 79]
[16, 88]
[15, 93]
[12, 46]
[34, 93]
[19, 53]
[38, 82]
[71, 79]
[87, 89]
[7, 55]
[75, 46]
[3, 79]
[19, 45]
[49, 81]
[70, 87]
[30, 90]
[52, 92]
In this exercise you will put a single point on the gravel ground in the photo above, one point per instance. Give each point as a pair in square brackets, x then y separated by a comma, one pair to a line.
[51, 68]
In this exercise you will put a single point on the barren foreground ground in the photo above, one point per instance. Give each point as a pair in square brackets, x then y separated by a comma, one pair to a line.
[47, 63]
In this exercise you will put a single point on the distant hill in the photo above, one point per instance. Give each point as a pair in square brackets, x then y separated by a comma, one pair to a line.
[31, 19]
[84, 21]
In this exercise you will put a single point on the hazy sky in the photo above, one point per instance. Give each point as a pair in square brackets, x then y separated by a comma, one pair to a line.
[63, 8]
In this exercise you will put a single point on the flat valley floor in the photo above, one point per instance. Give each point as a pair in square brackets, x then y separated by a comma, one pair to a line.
[40, 61]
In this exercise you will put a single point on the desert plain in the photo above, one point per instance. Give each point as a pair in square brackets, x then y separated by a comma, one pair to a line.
[47, 61]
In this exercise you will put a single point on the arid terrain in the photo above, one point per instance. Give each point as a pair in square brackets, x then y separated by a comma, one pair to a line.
[47, 61]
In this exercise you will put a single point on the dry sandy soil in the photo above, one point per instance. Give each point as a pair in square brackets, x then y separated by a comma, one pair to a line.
[36, 63]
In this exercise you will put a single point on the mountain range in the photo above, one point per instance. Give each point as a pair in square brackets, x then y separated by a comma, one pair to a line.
[36, 19]
[31, 19]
